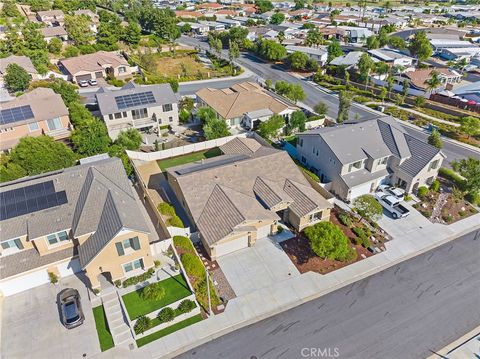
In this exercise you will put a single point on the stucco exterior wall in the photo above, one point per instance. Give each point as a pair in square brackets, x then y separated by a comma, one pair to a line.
[23, 239]
[43, 247]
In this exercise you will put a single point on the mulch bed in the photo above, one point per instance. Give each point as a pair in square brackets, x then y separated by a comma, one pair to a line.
[300, 253]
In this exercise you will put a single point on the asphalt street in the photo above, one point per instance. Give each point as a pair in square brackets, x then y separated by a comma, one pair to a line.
[407, 311]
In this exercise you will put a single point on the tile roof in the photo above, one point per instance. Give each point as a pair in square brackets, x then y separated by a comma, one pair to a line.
[22, 61]
[419, 77]
[53, 31]
[93, 62]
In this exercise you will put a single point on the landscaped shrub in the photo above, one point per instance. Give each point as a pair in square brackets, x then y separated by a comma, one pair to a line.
[166, 209]
[422, 192]
[118, 283]
[157, 263]
[175, 221]
[193, 265]
[345, 219]
[279, 229]
[143, 324]
[53, 277]
[435, 186]
[153, 291]
[166, 315]
[202, 294]
[328, 241]
[186, 306]
[184, 243]
[363, 236]
[137, 279]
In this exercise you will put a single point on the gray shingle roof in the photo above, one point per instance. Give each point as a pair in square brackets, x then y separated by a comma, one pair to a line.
[422, 154]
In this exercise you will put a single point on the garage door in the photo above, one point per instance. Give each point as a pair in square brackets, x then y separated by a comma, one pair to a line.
[231, 246]
[359, 190]
[24, 282]
[263, 232]
[68, 268]
[83, 77]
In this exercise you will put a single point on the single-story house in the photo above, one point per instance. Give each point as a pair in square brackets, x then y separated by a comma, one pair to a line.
[22, 61]
[51, 32]
[51, 17]
[318, 54]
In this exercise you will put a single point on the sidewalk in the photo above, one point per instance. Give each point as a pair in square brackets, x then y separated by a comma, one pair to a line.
[284, 295]
[468, 346]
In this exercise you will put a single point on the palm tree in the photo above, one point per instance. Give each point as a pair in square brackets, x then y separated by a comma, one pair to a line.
[433, 82]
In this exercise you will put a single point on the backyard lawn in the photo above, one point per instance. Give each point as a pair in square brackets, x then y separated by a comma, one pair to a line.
[169, 330]
[104, 336]
[191, 157]
[175, 289]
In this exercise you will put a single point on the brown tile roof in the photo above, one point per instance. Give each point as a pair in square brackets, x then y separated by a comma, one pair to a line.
[210, 6]
[419, 77]
[181, 13]
[53, 31]
[239, 99]
[93, 62]
[22, 61]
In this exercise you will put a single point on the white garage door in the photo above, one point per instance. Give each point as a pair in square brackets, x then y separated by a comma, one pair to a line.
[359, 190]
[24, 282]
[263, 232]
[231, 246]
[68, 268]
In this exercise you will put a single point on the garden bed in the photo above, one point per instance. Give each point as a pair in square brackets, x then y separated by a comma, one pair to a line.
[176, 288]
[304, 258]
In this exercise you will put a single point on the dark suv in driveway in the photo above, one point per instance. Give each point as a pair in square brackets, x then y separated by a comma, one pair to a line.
[71, 309]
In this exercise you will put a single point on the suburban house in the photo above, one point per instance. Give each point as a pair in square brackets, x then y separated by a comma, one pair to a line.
[418, 78]
[84, 218]
[51, 32]
[353, 159]
[51, 17]
[233, 103]
[38, 112]
[349, 60]
[239, 197]
[22, 61]
[97, 65]
[150, 107]
[318, 54]
[393, 58]
[94, 18]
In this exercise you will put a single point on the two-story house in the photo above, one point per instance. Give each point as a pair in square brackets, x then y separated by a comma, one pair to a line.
[354, 159]
[80, 219]
[51, 17]
[141, 107]
[35, 113]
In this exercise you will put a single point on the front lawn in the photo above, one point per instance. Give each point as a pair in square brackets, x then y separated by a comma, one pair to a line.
[169, 330]
[104, 336]
[191, 157]
[175, 289]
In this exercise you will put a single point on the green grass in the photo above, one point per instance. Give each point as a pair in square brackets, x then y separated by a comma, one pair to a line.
[292, 140]
[169, 330]
[192, 157]
[104, 336]
[175, 289]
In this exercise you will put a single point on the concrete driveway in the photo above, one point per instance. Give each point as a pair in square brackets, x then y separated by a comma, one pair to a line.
[31, 326]
[257, 267]
[399, 228]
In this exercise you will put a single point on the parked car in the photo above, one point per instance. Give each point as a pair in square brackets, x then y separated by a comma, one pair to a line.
[71, 308]
[83, 83]
[93, 82]
[392, 204]
[393, 191]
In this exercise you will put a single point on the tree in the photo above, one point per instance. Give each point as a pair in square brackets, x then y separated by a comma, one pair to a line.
[16, 78]
[9, 171]
[215, 45]
[41, 154]
[90, 137]
[55, 46]
[215, 128]
[292, 91]
[383, 93]
[345, 101]
[420, 46]
[419, 101]
[263, 6]
[78, 29]
[328, 241]
[71, 51]
[129, 139]
[272, 51]
[314, 37]
[297, 121]
[33, 39]
[405, 87]
[299, 4]
[269, 128]
[470, 125]
[382, 68]
[433, 82]
[397, 42]
[298, 60]
[390, 82]
[268, 83]
[132, 33]
[321, 108]
[233, 52]
[206, 114]
[469, 168]
[142, 324]
[368, 207]
[9, 9]
[435, 139]
[334, 50]
[373, 42]
[365, 66]
[277, 18]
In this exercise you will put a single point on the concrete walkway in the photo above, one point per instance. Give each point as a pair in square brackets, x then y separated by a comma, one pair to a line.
[289, 293]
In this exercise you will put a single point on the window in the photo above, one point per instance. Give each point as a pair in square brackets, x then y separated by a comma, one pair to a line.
[58, 237]
[124, 113]
[118, 115]
[33, 126]
[301, 142]
[433, 165]
[12, 243]
[170, 119]
[54, 124]
[122, 69]
[110, 117]
[356, 165]
[128, 245]
[140, 113]
[136, 264]
[167, 107]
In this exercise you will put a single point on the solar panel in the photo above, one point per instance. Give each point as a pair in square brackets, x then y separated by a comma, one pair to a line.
[15, 114]
[133, 100]
[29, 199]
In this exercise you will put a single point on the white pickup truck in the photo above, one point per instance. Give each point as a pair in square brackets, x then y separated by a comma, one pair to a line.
[392, 204]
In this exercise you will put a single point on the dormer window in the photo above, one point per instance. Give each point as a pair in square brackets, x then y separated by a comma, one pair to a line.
[56, 238]
[357, 165]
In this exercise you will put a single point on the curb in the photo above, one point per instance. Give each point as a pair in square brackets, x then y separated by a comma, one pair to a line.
[442, 353]
[286, 307]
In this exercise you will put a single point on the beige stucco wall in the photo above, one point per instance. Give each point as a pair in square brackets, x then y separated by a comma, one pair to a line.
[421, 178]
[108, 259]
[26, 244]
[43, 247]
[300, 223]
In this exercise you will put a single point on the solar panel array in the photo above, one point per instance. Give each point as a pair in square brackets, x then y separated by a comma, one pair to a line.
[133, 100]
[29, 199]
[15, 114]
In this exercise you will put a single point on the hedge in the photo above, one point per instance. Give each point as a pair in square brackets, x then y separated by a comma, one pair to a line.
[166, 208]
[184, 243]
[175, 221]
[139, 278]
[193, 265]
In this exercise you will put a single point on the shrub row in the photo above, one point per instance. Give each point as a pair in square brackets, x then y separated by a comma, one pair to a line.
[363, 236]
[138, 279]
[168, 210]
[345, 219]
